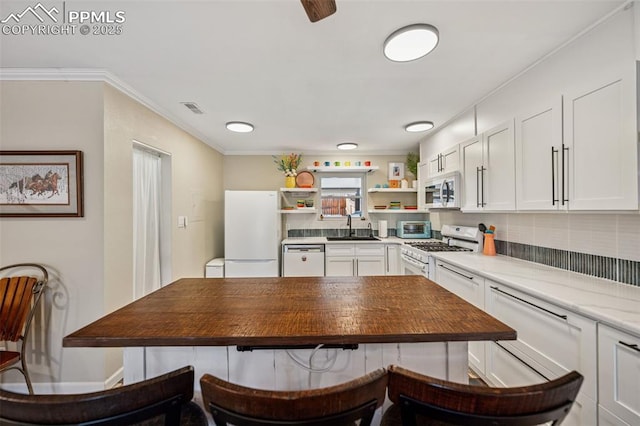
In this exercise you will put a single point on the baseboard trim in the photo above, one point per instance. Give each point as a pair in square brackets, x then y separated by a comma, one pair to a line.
[66, 387]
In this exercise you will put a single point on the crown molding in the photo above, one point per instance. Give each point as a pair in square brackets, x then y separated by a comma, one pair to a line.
[100, 75]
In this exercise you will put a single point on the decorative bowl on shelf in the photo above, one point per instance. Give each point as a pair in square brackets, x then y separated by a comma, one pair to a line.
[305, 180]
[379, 207]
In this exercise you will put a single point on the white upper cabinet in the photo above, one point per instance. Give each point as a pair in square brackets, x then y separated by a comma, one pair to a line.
[471, 153]
[444, 162]
[576, 127]
[423, 176]
[488, 166]
[539, 171]
[602, 146]
[579, 151]
[499, 164]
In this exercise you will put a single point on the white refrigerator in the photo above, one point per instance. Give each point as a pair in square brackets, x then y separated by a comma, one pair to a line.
[251, 234]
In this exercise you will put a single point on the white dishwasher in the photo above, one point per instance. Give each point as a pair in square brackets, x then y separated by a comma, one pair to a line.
[303, 260]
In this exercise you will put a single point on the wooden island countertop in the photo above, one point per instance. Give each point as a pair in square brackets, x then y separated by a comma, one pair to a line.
[292, 311]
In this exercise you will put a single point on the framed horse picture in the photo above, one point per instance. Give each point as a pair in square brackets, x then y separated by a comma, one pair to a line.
[41, 183]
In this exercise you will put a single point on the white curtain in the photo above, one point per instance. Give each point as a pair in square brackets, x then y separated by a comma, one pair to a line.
[146, 222]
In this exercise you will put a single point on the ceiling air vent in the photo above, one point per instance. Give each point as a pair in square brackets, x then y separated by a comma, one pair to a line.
[193, 107]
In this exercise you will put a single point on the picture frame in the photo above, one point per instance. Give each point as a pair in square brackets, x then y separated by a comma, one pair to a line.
[41, 184]
[396, 171]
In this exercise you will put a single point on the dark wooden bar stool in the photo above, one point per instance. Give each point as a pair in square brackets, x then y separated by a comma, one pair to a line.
[338, 405]
[423, 400]
[163, 400]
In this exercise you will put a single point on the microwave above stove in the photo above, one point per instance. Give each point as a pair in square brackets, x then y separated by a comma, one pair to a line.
[443, 192]
[413, 229]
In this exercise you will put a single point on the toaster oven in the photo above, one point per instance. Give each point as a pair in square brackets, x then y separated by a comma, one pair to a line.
[413, 229]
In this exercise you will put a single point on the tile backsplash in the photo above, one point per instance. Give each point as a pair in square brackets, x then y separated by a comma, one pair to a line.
[602, 245]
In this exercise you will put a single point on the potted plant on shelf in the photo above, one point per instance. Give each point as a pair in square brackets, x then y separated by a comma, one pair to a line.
[412, 165]
[288, 164]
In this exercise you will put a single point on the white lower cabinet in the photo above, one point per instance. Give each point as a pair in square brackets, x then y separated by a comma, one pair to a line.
[551, 342]
[339, 266]
[370, 259]
[605, 418]
[619, 376]
[505, 369]
[348, 260]
[470, 287]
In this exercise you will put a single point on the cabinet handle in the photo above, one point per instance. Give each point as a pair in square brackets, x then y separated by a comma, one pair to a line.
[553, 176]
[564, 199]
[630, 345]
[477, 186]
[440, 166]
[482, 170]
[564, 317]
[522, 361]
[388, 260]
[455, 272]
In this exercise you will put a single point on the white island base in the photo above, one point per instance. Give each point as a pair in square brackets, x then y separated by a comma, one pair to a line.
[274, 369]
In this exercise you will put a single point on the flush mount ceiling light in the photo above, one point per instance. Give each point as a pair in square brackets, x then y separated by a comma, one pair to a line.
[347, 145]
[240, 126]
[419, 126]
[411, 42]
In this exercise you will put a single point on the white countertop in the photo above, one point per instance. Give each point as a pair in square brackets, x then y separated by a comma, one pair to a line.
[609, 302]
[606, 301]
[323, 240]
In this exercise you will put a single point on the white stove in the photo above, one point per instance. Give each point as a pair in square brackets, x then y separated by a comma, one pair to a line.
[415, 254]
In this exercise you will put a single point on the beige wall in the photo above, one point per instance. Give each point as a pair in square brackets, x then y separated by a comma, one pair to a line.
[197, 188]
[259, 172]
[60, 116]
[91, 257]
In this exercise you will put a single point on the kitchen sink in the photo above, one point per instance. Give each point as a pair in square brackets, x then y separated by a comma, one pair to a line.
[352, 238]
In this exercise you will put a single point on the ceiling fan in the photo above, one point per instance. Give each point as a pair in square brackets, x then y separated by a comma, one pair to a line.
[318, 9]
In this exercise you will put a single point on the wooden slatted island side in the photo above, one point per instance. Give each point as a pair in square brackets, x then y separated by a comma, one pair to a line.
[406, 320]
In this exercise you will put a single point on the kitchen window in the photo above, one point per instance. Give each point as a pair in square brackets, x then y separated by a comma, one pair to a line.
[342, 195]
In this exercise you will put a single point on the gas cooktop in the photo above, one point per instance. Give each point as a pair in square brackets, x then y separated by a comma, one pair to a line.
[454, 238]
[436, 246]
